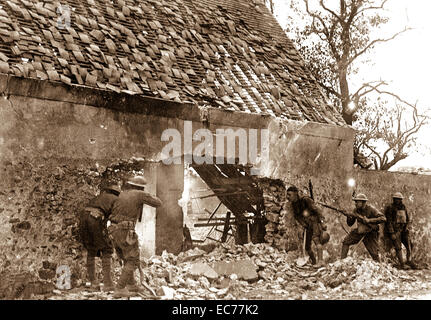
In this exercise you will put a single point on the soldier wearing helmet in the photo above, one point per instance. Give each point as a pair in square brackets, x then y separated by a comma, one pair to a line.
[397, 228]
[310, 217]
[368, 218]
[94, 236]
[125, 213]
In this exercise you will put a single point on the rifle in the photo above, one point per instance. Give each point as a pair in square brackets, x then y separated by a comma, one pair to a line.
[343, 212]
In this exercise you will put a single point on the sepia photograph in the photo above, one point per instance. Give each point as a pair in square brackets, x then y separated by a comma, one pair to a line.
[214, 155]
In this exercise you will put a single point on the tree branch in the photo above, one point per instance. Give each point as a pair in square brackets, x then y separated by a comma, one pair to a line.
[372, 43]
[330, 89]
[358, 95]
[373, 8]
[322, 4]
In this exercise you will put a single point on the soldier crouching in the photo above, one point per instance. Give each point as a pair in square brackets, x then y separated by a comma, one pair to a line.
[368, 218]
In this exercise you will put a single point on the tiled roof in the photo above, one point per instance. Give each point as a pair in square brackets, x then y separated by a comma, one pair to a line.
[230, 54]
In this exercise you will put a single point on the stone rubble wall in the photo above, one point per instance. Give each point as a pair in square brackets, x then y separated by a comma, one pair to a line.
[39, 203]
[282, 231]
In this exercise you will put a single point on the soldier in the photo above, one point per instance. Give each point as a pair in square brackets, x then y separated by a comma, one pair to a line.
[368, 218]
[310, 217]
[93, 232]
[397, 228]
[126, 211]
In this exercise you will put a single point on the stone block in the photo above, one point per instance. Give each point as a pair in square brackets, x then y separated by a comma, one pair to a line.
[202, 269]
[46, 274]
[244, 269]
[273, 217]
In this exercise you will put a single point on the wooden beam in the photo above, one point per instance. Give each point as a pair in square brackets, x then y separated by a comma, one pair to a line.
[219, 195]
[229, 181]
[226, 227]
[212, 224]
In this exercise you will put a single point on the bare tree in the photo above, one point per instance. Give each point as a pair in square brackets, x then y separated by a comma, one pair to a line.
[386, 134]
[336, 37]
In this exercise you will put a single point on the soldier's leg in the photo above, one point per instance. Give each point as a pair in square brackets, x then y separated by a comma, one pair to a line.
[371, 242]
[86, 239]
[308, 239]
[405, 240]
[352, 238]
[319, 249]
[130, 251]
[396, 241]
[108, 285]
[131, 283]
[317, 232]
[91, 265]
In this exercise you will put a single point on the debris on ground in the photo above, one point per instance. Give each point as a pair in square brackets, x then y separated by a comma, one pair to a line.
[259, 271]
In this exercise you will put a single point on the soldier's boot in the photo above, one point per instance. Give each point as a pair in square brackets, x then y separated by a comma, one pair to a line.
[409, 255]
[121, 290]
[411, 264]
[108, 285]
[400, 258]
[375, 257]
[132, 286]
[344, 251]
[91, 272]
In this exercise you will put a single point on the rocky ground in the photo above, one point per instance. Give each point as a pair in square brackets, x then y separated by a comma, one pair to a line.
[259, 271]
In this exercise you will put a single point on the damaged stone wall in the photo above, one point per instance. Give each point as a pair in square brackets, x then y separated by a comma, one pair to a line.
[282, 231]
[304, 151]
[416, 189]
[40, 201]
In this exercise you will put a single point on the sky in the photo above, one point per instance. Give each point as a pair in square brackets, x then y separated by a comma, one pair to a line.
[404, 62]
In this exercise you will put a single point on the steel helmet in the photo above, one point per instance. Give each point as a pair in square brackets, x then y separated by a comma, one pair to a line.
[292, 188]
[113, 187]
[324, 237]
[110, 186]
[360, 197]
[397, 195]
[138, 181]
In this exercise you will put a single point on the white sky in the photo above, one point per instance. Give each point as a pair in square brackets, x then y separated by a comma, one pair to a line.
[405, 61]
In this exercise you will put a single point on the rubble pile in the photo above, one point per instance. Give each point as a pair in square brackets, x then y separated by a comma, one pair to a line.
[260, 271]
[281, 230]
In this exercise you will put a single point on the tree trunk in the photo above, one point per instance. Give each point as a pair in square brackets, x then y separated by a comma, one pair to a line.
[345, 99]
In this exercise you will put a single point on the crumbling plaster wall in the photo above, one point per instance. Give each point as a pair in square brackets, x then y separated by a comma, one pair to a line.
[303, 151]
[300, 152]
[56, 144]
[416, 189]
[53, 155]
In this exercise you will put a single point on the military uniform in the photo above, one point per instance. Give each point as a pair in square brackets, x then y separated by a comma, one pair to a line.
[310, 217]
[126, 211]
[397, 229]
[369, 232]
[94, 237]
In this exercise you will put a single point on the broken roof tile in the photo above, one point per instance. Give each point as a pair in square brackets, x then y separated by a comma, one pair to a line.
[125, 47]
[84, 38]
[4, 67]
[53, 75]
[111, 46]
[90, 79]
[182, 42]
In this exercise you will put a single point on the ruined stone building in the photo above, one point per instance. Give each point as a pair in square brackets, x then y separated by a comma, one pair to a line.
[90, 86]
